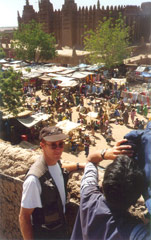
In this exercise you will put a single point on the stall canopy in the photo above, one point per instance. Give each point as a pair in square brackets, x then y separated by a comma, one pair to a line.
[78, 75]
[33, 119]
[57, 69]
[54, 75]
[140, 69]
[146, 74]
[119, 81]
[68, 126]
[62, 78]
[68, 84]
[3, 61]
[92, 114]
[43, 68]
[45, 78]
[15, 62]
[32, 74]
[67, 71]
[94, 67]
[82, 65]
[87, 73]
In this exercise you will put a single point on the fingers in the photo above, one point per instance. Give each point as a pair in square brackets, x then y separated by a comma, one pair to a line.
[124, 150]
[112, 153]
[120, 142]
[124, 147]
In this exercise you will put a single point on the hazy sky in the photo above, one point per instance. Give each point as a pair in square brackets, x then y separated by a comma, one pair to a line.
[9, 8]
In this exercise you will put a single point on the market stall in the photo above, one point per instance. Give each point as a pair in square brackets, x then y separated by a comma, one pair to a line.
[74, 141]
[142, 98]
[119, 81]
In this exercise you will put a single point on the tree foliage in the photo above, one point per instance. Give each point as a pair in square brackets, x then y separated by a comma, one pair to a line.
[2, 53]
[109, 43]
[31, 43]
[11, 90]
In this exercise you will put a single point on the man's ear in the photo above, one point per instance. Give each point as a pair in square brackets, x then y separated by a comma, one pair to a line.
[42, 144]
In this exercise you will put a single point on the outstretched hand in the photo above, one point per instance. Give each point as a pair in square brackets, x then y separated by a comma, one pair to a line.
[119, 149]
[112, 153]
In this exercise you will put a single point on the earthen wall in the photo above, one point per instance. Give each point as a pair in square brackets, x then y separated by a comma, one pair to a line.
[68, 23]
[10, 197]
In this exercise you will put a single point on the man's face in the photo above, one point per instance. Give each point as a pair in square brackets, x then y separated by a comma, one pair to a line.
[52, 151]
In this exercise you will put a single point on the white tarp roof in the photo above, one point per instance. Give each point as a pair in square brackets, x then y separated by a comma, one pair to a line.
[140, 69]
[54, 75]
[15, 62]
[87, 73]
[57, 69]
[78, 75]
[119, 81]
[33, 119]
[68, 84]
[62, 78]
[67, 71]
[41, 68]
[32, 74]
[94, 67]
[68, 126]
[92, 114]
[3, 61]
[50, 64]
[82, 65]
[45, 78]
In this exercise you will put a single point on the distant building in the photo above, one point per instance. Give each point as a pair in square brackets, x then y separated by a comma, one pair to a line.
[6, 34]
[68, 23]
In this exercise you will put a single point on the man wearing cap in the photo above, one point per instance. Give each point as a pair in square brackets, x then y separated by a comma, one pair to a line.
[42, 212]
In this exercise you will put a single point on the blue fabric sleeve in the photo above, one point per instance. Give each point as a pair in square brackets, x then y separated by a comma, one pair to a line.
[142, 140]
[90, 176]
[140, 232]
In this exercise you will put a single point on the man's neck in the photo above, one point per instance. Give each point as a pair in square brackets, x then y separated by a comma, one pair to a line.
[49, 161]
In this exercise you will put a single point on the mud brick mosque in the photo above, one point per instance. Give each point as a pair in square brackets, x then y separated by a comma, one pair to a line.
[68, 24]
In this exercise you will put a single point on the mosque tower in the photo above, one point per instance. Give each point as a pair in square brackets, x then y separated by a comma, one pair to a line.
[69, 16]
[45, 15]
[28, 14]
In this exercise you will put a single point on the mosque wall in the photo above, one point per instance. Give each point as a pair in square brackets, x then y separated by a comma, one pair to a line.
[68, 24]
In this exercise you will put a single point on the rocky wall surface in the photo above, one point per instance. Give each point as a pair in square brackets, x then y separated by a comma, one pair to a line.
[15, 161]
[14, 164]
[10, 195]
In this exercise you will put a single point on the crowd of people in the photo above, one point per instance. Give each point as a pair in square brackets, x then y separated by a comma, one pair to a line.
[109, 107]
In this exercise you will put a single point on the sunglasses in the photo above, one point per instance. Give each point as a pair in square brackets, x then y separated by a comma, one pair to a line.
[55, 146]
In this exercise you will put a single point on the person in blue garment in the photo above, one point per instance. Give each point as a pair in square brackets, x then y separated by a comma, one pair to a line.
[103, 213]
[141, 140]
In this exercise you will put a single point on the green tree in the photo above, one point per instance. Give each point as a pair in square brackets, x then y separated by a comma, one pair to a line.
[109, 43]
[11, 91]
[2, 53]
[31, 43]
